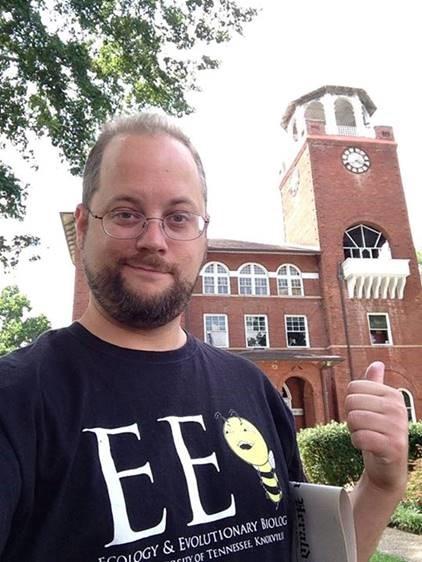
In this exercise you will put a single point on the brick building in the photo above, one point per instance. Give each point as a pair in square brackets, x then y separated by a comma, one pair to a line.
[344, 290]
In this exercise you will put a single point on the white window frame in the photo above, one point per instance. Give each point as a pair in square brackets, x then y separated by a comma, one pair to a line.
[381, 247]
[411, 412]
[266, 331]
[390, 337]
[288, 400]
[253, 277]
[286, 316]
[289, 277]
[215, 277]
[226, 321]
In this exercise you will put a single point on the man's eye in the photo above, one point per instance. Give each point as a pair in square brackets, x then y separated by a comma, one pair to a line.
[125, 216]
[178, 219]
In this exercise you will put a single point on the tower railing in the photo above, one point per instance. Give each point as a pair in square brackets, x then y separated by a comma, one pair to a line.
[347, 131]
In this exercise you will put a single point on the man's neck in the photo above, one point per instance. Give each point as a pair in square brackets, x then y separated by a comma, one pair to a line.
[165, 338]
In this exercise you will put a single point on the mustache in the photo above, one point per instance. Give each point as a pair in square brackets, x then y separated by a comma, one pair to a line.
[150, 261]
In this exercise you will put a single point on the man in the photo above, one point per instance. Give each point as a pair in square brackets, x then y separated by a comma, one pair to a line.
[122, 437]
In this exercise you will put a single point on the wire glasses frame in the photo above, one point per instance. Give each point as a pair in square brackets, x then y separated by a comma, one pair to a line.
[127, 224]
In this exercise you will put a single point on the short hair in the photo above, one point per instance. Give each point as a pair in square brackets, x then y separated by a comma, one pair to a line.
[141, 124]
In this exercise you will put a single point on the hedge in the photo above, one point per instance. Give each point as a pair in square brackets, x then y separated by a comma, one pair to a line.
[329, 457]
[415, 440]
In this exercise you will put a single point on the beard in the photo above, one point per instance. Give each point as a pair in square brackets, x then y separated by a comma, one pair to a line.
[131, 308]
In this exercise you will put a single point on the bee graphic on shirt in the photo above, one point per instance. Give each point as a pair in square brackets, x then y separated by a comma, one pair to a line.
[247, 442]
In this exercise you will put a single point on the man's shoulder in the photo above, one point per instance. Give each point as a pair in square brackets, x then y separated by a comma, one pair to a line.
[26, 360]
[231, 362]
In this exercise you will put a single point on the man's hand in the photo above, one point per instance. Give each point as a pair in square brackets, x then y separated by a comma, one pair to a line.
[377, 420]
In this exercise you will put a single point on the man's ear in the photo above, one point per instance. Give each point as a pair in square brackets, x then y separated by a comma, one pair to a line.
[81, 224]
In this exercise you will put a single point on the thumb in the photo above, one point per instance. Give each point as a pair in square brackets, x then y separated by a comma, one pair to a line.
[375, 372]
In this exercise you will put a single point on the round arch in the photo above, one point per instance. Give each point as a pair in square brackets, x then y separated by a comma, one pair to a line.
[215, 278]
[315, 112]
[344, 113]
[363, 241]
[253, 279]
[299, 394]
[410, 404]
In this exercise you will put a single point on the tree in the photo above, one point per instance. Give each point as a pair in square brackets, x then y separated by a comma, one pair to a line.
[419, 256]
[66, 66]
[16, 327]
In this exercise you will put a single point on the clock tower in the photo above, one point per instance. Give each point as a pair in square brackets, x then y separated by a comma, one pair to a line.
[342, 192]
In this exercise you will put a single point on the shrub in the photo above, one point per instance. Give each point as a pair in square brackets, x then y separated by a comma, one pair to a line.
[407, 517]
[381, 557]
[415, 440]
[414, 485]
[328, 455]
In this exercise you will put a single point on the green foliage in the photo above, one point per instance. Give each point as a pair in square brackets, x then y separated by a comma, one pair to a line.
[10, 250]
[414, 485]
[328, 455]
[407, 517]
[408, 514]
[381, 557]
[419, 256]
[66, 66]
[415, 440]
[16, 327]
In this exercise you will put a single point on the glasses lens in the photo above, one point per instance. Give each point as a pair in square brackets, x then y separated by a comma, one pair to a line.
[183, 225]
[128, 224]
[124, 223]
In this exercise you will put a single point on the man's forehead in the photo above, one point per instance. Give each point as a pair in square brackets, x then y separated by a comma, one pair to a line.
[134, 165]
[145, 146]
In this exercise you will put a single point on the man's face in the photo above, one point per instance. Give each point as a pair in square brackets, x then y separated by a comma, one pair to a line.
[146, 282]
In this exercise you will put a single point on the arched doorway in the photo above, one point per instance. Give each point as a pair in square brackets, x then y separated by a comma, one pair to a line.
[299, 396]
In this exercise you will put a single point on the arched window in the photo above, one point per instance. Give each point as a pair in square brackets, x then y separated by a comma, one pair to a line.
[315, 112]
[345, 116]
[253, 280]
[363, 241]
[215, 279]
[410, 405]
[289, 280]
[286, 395]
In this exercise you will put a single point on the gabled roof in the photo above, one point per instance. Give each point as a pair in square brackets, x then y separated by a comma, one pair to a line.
[225, 245]
[336, 90]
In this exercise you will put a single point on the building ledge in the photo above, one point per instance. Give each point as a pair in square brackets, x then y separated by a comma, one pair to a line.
[290, 355]
[375, 278]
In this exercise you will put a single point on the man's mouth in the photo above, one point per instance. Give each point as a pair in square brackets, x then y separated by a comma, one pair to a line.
[150, 266]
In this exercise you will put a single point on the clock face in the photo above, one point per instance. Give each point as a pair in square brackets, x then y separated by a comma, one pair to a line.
[355, 160]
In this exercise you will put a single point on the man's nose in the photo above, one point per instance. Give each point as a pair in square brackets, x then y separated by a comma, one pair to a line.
[153, 236]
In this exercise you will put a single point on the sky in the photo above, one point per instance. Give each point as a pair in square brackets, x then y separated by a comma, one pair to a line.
[290, 49]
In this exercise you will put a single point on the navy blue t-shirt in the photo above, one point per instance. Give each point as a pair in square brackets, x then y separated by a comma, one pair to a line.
[116, 455]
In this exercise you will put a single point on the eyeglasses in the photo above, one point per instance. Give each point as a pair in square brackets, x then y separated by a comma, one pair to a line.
[127, 224]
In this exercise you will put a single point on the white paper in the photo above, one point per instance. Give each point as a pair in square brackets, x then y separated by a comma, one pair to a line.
[324, 527]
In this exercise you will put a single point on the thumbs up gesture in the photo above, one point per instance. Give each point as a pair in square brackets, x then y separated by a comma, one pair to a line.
[377, 420]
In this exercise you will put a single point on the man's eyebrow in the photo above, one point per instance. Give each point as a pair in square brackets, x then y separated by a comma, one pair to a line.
[124, 199]
[137, 201]
[180, 201]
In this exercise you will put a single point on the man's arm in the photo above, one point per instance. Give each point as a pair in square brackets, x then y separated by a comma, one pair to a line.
[377, 419]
